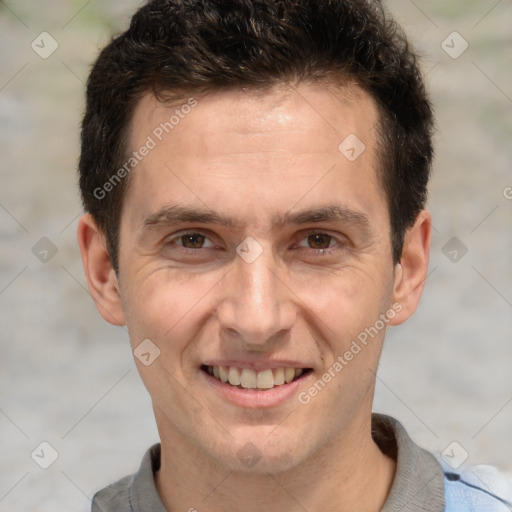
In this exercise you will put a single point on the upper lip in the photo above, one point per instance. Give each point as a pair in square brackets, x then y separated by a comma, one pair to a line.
[258, 366]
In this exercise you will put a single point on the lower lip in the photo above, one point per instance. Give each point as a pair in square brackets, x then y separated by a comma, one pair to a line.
[256, 398]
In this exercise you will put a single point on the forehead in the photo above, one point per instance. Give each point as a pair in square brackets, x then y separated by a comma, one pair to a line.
[313, 109]
[221, 147]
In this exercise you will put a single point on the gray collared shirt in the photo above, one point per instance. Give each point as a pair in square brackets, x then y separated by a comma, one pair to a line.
[418, 485]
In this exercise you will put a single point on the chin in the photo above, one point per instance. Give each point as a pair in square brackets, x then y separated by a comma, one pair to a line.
[260, 454]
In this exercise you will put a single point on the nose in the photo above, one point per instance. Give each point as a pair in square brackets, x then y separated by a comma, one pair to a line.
[257, 305]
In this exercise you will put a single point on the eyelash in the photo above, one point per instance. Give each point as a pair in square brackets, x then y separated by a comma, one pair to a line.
[319, 252]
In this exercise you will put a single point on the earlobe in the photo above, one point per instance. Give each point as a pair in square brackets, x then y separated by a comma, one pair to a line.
[100, 275]
[411, 272]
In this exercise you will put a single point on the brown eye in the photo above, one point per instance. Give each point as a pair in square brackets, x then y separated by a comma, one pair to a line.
[192, 240]
[321, 244]
[319, 240]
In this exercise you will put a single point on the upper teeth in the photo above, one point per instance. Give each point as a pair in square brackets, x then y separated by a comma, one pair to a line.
[251, 379]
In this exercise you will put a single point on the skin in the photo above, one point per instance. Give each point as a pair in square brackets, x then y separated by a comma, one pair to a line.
[253, 156]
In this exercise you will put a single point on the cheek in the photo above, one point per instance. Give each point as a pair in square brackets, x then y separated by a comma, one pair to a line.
[346, 302]
[167, 307]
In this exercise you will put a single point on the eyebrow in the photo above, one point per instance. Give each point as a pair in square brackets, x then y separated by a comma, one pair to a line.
[173, 213]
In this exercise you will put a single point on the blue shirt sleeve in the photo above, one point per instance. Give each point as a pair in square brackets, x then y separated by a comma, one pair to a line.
[478, 489]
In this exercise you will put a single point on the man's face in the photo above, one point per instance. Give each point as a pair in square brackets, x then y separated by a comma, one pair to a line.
[261, 294]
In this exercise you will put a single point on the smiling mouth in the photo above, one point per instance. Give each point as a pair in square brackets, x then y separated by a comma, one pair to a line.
[247, 378]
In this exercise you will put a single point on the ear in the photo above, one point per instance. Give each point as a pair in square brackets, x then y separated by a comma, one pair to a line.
[100, 275]
[411, 272]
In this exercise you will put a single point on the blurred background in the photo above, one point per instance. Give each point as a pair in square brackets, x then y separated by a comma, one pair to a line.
[68, 378]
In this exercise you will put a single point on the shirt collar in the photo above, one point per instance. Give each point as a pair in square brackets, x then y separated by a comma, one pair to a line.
[418, 485]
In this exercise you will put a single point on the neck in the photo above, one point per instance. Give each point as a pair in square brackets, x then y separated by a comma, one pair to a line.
[348, 473]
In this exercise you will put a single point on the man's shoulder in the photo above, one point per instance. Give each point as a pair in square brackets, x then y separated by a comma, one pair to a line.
[425, 481]
[480, 488]
[114, 497]
[133, 493]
